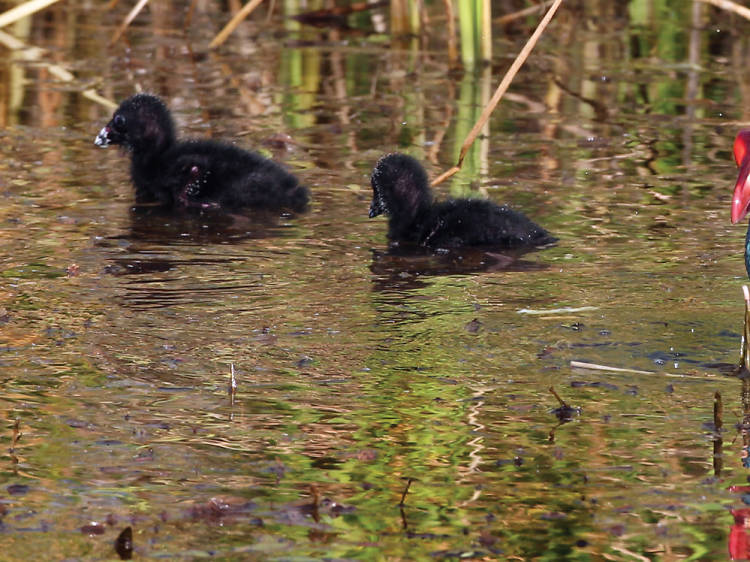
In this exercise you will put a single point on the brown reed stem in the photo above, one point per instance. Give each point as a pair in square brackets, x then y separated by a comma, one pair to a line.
[246, 10]
[500, 91]
[128, 20]
[730, 6]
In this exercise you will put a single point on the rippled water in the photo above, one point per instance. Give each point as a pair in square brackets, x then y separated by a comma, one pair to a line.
[362, 372]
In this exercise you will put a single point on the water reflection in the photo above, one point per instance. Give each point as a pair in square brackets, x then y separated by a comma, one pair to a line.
[155, 225]
[358, 368]
[161, 241]
[406, 268]
[738, 541]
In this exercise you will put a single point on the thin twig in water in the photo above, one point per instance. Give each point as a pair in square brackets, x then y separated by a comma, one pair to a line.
[556, 395]
[35, 54]
[23, 10]
[404, 522]
[232, 383]
[497, 96]
[246, 10]
[189, 15]
[271, 6]
[335, 13]
[564, 413]
[452, 50]
[730, 7]
[718, 411]
[316, 502]
[630, 553]
[563, 310]
[128, 20]
[406, 491]
[598, 367]
[507, 18]
[16, 434]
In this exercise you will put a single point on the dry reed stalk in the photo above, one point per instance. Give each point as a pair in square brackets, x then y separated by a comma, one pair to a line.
[271, 7]
[246, 10]
[507, 18]
[35, 54]
[452, 50]
[485, 35]
[128, 20]
[730, 7]
[232, 384]
[497, 96]
[599, 367]
[23, 10]
[718, 411]
[399, 18]
[189, 15]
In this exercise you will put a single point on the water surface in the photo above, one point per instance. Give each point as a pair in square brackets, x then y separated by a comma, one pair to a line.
[361, 371]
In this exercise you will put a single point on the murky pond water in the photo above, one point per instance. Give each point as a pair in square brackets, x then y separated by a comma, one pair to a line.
[388, 406]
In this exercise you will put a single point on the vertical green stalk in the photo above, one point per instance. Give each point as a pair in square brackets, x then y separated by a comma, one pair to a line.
[467, 30]
[415, 20]
[477, 15]
[484, 94]
[475, 23]
[486, 30]
[300, 75]
[466, 116]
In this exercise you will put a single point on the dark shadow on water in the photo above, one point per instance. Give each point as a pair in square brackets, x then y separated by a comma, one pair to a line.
[156, 236]
[156, 225]
[408, 267]
[143, 296]
[158, 249]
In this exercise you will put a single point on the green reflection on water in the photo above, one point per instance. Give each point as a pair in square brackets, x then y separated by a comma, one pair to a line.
[354, 377]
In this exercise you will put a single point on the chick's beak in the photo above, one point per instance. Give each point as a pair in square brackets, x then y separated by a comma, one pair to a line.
[102, 139]
[375, 208]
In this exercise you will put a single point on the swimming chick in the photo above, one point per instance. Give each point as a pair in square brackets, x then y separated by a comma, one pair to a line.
[202, 174]
[401, 191]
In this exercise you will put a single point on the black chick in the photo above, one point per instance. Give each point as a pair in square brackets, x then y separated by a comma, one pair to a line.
[400, 190]
[204, 174]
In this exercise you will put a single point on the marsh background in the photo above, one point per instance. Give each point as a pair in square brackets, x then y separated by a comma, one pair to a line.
[358, 369]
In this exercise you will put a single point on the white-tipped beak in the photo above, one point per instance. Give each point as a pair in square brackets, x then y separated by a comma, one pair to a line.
[102, 139]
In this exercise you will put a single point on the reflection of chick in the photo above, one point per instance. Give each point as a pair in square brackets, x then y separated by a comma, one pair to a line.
[195, 173]
[401, 191]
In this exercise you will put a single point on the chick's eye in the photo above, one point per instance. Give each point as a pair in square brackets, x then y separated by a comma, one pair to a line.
[119, 122]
